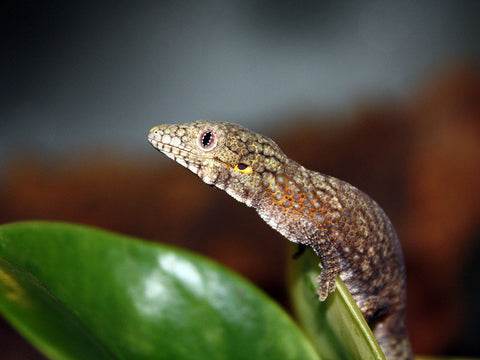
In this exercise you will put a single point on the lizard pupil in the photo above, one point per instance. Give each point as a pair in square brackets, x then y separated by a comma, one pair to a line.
[242, 166]
[207, 138]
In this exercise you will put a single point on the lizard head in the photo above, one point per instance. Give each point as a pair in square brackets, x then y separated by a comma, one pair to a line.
[224, 155]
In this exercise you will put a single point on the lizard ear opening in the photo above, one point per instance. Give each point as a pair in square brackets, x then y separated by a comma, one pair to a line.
[207, 140]
[243, 168]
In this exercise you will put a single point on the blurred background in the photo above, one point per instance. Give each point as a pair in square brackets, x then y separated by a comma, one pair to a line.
[383, 94]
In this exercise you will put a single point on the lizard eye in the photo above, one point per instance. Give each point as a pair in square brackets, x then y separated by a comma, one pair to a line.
[243, 168]
[207, 140]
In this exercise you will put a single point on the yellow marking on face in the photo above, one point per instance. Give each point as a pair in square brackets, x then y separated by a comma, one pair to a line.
[247, 170]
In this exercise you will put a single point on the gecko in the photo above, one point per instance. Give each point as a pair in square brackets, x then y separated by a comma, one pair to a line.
[349, 232]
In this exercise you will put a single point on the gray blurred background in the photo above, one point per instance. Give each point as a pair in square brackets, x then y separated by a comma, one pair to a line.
[77, 75]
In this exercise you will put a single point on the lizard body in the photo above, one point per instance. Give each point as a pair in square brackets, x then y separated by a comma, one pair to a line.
[346, 228]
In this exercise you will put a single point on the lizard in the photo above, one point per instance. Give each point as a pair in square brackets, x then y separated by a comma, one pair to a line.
[348, 230]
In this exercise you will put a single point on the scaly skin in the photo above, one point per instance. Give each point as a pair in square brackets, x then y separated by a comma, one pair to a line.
[347, 229]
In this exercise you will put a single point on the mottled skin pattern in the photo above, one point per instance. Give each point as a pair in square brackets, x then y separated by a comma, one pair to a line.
[347, 229]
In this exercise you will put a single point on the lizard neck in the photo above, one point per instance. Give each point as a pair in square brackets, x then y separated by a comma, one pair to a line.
[267, 185]
[292, 204]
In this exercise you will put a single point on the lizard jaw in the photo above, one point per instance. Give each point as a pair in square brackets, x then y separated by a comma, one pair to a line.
[184, 157]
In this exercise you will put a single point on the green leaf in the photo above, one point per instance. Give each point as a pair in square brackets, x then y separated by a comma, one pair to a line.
[36, 313]
[77, 292]
[336, 326]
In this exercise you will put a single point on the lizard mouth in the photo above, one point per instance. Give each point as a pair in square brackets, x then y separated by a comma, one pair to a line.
[185, 157]
[168, 149]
